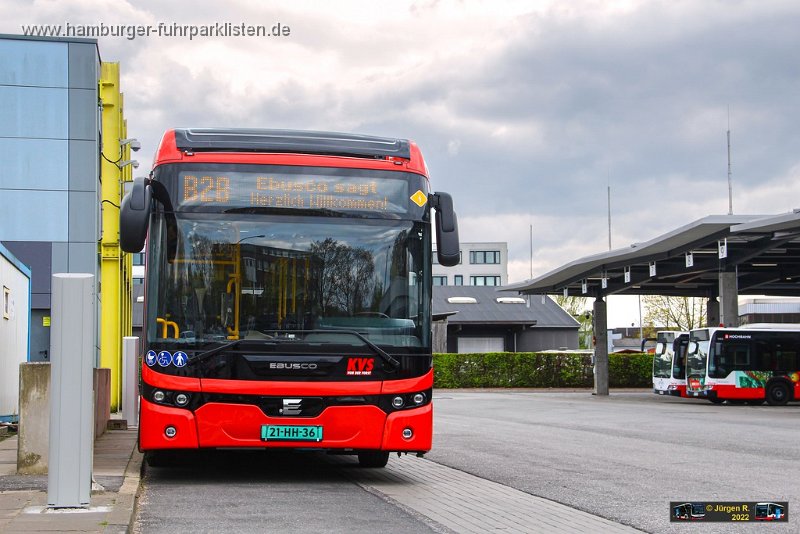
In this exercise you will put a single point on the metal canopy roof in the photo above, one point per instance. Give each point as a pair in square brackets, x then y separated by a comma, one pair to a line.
[763, 250]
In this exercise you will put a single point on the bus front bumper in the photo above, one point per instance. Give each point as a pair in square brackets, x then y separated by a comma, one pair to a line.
[222, 425]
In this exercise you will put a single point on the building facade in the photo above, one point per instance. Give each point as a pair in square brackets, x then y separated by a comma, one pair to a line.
[783, 310]
[15, 283]
[49, 168]
[481, 264]
[482, 319]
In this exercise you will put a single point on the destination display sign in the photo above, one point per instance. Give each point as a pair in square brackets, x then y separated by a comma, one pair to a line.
[293, 191]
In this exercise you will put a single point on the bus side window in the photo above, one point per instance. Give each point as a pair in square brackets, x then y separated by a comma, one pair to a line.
[741, 357]
[786, 361]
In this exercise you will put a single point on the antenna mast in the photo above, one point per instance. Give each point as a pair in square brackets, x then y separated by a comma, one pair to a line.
[730, 183]
[609, 217]
[531, 251]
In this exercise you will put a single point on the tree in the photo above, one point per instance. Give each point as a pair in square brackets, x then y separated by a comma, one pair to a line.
[683, 313]
[578, 308]
[572, 305]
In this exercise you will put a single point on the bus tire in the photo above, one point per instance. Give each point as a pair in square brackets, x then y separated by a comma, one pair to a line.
[373, 458]
[777, 394]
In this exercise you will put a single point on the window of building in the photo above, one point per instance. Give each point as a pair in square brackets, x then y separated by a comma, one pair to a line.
[458, 280]
[484, 256]
[137, 280]
[484, 280]
[440, 280]
[6, 303]
[481, 345]
[138, 258]
[462, 300]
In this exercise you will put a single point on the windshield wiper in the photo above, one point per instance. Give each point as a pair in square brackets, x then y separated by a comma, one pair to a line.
[388, 358]
[203, 356]
[385, 356]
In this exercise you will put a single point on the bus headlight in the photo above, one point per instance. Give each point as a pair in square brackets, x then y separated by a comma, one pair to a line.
[181, 399]
[159, 395]
[398, 402]
[418, 398]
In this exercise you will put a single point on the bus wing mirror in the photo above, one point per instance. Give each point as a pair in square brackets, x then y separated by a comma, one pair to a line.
[134, 216]
[692, 347]
[447, 246]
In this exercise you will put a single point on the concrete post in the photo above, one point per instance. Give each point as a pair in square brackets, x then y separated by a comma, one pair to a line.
[69, 478]
[729, 299]
[712, 312]
[600, 348]
[130, 379]
[34, 421]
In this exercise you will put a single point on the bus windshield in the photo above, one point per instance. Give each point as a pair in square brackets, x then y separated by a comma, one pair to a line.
[257, 276]
[696, 363]
[662, 364]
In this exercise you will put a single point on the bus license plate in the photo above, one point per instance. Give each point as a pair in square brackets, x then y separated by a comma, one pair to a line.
[291, 433]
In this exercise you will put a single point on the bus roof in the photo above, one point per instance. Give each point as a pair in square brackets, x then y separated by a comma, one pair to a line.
[759, 327]
[303, 147]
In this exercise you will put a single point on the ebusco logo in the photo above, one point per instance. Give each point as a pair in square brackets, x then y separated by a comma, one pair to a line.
[293, 366]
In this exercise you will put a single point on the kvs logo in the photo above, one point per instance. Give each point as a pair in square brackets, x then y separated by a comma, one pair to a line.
[360, 366]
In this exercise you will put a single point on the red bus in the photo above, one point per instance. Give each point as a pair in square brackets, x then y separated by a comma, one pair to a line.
[287, 292]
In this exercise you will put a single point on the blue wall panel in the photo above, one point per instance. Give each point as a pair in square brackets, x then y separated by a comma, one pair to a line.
[33, 63]
[34, 215]
[33, 112]
[34, 164]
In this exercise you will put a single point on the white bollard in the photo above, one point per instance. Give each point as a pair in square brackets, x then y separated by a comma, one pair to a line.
[130, 380]
[72, 356]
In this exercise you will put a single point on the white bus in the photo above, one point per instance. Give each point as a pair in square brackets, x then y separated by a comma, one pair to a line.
[669, 368]
[749, 364]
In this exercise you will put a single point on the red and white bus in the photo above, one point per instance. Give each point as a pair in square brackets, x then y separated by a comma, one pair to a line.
[669, 367]
[748, 364]
[287, 293]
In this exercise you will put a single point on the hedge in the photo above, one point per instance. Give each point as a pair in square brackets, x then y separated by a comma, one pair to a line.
[537, 370]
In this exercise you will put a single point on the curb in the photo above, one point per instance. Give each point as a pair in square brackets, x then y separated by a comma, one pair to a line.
[123, 515]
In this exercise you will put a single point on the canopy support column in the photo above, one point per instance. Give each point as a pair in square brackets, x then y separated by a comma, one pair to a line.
[600, 348]
[712, 312]
[729, 298]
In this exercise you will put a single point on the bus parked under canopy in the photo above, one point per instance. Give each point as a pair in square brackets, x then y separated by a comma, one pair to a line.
[748, 364]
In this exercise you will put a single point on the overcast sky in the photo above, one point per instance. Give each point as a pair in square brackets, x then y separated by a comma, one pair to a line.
[526, 111]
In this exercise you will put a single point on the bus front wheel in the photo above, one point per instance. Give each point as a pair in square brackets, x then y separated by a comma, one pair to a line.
[373, 458]
[777, 394]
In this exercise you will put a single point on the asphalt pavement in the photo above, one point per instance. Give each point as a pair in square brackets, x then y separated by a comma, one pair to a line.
[510, 461]
[626, 456]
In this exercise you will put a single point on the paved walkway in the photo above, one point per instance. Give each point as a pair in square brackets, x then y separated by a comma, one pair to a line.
[117, 465]
[465, 503]
[455, 500]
